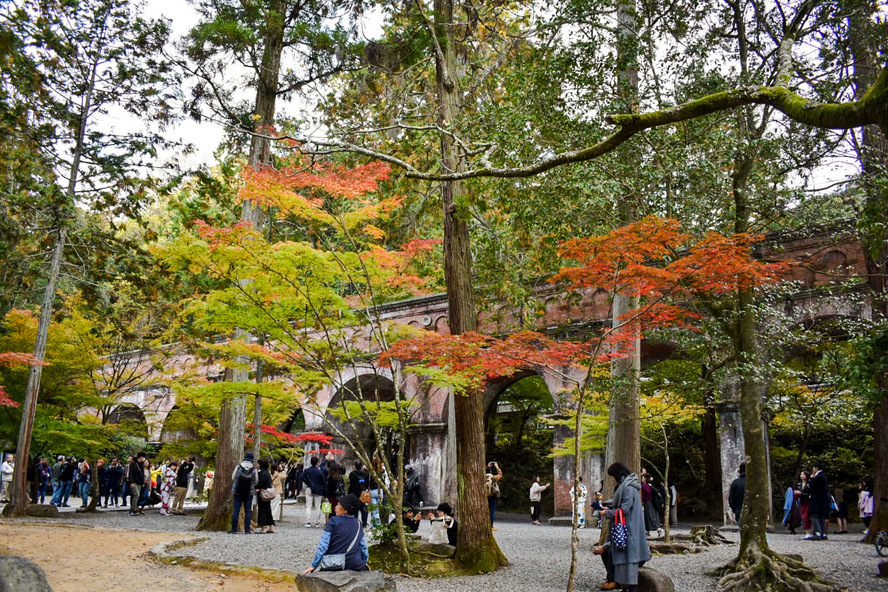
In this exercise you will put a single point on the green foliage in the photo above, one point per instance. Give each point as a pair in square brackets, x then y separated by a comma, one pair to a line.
[867, 363]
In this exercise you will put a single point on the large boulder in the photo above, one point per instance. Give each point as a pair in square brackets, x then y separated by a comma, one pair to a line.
[42, 511]
[651, 580]
[345, 581]
[18, 574]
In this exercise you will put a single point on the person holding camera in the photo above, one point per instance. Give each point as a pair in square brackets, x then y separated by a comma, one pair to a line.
[491, 485]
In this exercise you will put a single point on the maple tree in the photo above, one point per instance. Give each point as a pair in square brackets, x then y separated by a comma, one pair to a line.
[651, 260]
[310, 290]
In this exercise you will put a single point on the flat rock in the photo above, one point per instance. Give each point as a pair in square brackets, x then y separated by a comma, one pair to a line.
[651, 580]
[18, 574]
[42, 511]
[443, 551]
[345, 581]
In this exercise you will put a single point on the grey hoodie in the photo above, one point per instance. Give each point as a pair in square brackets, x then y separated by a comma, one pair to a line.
[245, 466]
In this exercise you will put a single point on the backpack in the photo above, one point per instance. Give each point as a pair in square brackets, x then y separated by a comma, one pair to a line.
[491, 487]
[243, 483]
[657, 499]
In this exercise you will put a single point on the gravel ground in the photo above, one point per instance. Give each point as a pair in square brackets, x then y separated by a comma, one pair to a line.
[539, 555]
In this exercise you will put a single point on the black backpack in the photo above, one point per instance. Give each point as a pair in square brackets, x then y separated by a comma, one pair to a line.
[243, 483]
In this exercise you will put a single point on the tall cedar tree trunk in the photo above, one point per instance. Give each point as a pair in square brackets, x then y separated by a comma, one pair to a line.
[756, 504]
[233, 420]
[711, 454]
[874, 235]
[476, 549]
[19, 499]
[624, 426]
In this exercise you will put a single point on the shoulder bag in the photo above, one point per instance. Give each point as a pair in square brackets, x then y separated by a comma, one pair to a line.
[620, 532]
[336, 562]
[266, 495]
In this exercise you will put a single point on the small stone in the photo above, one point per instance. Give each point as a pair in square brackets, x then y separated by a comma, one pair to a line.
[651, 580]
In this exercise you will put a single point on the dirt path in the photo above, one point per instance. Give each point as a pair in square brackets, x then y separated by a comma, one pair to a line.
[77, 558]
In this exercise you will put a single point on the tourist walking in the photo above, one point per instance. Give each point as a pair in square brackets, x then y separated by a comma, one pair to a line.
[69, 471]
[623, 559]
[243, 488]
[578, 496]
[7, 469]
[819, 505]
[167, 486]
[737, 492]
[792, 514]
[315, 483]
[84, 481]
[536, 494]
[136, 483]
[491, 487]
[804, 490]
[343, 535]
[358, 483]
[44, 476]
[183, 476]
[673, 505]
[840, 512]
[56, 477]
[113, 478]
[866, 503]
[651, 516]
[278, 476]
[335, 487]
[265, 519]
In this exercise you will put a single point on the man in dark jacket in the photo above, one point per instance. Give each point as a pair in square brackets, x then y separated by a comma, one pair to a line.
[818, 506]
[737, 492]
[359, 482]
[135, 482]
[315, 482]
[67, 479]
[182, 477]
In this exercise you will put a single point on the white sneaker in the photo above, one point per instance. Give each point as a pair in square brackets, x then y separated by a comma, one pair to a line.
[308, 525]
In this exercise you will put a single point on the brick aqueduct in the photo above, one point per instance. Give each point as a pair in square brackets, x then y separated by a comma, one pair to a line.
[831, 256]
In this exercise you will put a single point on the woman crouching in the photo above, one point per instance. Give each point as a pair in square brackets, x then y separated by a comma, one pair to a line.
[342, 536]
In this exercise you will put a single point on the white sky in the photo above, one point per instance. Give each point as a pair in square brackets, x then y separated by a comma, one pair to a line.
[206, 136]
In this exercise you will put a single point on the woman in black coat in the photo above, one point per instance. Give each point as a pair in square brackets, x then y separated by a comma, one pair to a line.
[265, 520]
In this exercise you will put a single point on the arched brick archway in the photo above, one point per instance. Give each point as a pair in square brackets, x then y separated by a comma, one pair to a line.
[370, 385]
[130, 418]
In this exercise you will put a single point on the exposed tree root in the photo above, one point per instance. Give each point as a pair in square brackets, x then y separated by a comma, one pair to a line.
[705, 536]
[765, 571]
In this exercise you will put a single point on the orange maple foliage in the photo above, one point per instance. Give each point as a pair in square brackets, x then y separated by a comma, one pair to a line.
[649, 259]
[15, 359]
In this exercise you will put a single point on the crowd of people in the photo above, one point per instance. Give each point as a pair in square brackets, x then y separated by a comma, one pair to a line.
[345, 501]
[136, 481]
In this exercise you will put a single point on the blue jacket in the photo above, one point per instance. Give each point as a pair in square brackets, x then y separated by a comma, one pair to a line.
[315, 479]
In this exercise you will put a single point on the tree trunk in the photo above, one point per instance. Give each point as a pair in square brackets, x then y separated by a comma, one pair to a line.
[873, 225]
[231, 446]
[232, 425]
[19, 494]
[711, 455]
[476, 549]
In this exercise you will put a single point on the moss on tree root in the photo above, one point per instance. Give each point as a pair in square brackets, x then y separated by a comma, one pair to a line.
[766, 571]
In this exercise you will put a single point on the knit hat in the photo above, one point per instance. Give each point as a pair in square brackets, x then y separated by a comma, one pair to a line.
[351, 503]
[249, 456]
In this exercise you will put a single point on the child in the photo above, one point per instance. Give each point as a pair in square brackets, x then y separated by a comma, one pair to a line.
[443, 526]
